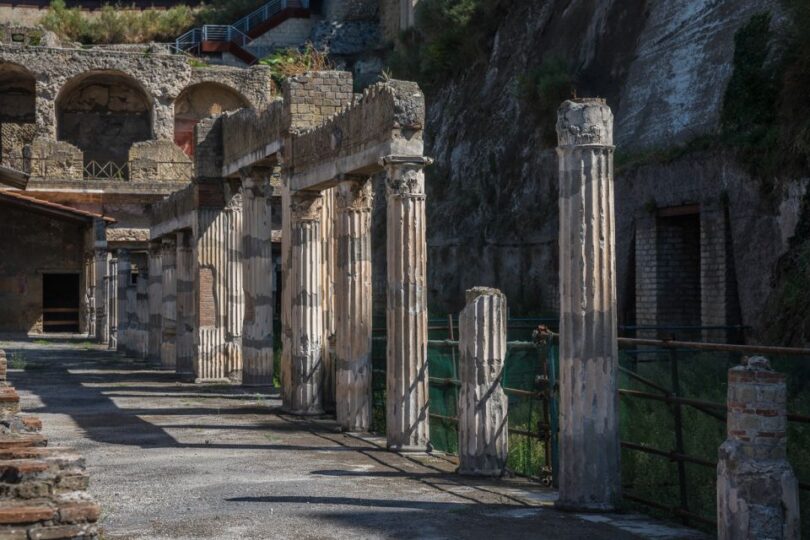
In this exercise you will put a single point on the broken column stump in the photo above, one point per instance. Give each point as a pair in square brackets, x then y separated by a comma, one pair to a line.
[590, 474]
[353, 305]
[483, 428]
[757, 491]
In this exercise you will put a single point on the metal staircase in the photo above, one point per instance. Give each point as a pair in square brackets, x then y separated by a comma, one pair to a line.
[235, 38]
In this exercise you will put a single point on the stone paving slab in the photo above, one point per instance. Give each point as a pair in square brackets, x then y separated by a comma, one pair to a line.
[177, 461]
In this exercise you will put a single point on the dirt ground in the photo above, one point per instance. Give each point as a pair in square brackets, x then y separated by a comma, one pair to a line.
[170, 460]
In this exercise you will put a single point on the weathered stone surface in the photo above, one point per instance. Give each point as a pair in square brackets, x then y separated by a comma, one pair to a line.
[353, 305]
[302, 378]
[590, 474]
[186, 318]
[757, 491]
[483, 426]
[407, 371]
[168, 259]
[155, 292]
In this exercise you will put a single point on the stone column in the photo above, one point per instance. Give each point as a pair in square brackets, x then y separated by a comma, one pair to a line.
[168, 346]
[590, 475]
[257, 269]
[302, 392]
[155, 301]
[234, 287]
[124, 268]
[112, 303]
[286, 293]
[100, 261]
[353, 304]
[186, 318]
[483, 428]
[328, 270]
[406, 251]
[757, 491]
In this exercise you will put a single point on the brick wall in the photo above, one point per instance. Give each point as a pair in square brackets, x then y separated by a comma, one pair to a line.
[678, 280]
[293, 32]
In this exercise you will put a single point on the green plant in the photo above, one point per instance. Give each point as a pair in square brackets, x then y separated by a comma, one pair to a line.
[544, 89]
[197, 62]
[17, 361]
[291, 62]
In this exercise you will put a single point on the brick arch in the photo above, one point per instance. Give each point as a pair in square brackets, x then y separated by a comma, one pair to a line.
[199, 101]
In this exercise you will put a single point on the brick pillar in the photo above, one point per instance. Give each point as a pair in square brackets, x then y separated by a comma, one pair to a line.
[257, 267]
[302, 389]
[353, 304]
[407, 427]
[168, 346]
[590, 476]
[757, 492]
[646, 273]
[186, 326]
[483, 429]
[155, 301]
[124, 268]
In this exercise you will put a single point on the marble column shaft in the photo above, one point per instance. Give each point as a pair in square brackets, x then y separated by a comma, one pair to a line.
[168, 346]
[483, 406]
[302, 393]
[234, 287]
[590, 473]
[112, 303]
[257, 268]
[101, 264]
[155, 301]
[353, 301]
[407, 427]
[186, 319]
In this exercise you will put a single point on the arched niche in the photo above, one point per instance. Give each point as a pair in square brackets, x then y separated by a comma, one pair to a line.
[17, 112]
[200, 101]
[103, 113]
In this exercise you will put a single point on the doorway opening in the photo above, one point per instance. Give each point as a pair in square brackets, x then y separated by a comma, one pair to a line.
[678, 250]
[60, 303]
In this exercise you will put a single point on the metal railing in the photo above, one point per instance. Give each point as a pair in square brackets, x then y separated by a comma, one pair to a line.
[237, 31]
[108, 170]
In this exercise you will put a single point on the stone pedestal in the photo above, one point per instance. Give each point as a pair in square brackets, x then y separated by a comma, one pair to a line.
[353, 305]
[406, 251]
[155, 301]
[302, 389]
[186, 318]
[483, 428]
[757, 491]
[590, 474]
[168, 346]
[257, 268]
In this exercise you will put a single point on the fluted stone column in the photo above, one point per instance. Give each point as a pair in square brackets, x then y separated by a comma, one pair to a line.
[155, 301]
[168, 347]
[186, 318]
[124, 268]
[353, 304]
[257, 268]
[757, 490]
[590, 475]
[302, 392]
[286, 293]
[234, 287]
[407, 374]
[483, 406]
[329, 268]
[101, 264]
[112, 303]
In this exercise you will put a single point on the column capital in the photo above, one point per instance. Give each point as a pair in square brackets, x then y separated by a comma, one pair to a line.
[168, 242]
[405, 161]
[405, 177]
[585, 122]
[354, 193]
[306, 206]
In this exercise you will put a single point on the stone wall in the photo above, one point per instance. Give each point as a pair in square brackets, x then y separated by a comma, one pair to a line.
[158, 161]
[247, 133]
[293, 32]
[32, 245]
[349, 10]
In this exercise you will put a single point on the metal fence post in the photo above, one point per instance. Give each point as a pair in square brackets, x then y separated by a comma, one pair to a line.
[679, 446]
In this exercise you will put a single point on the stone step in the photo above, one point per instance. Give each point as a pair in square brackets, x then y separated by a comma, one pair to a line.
[21, 440]
[68, 509]
[9, 399]
[17, 423]
[33, 478]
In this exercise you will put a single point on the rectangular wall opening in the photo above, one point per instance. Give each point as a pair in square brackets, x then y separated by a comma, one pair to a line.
[60, 302]
[678, 269]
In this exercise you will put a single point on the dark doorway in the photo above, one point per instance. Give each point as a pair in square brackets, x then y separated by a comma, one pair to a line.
[60, 302]
[678, 247]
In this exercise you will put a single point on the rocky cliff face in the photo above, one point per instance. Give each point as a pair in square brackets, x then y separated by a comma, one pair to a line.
[664, 68]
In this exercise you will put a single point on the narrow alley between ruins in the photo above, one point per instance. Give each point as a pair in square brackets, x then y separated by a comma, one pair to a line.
[175, 460]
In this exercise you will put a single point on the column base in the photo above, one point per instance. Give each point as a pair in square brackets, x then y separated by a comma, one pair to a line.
[197, 380]
[404, 449]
